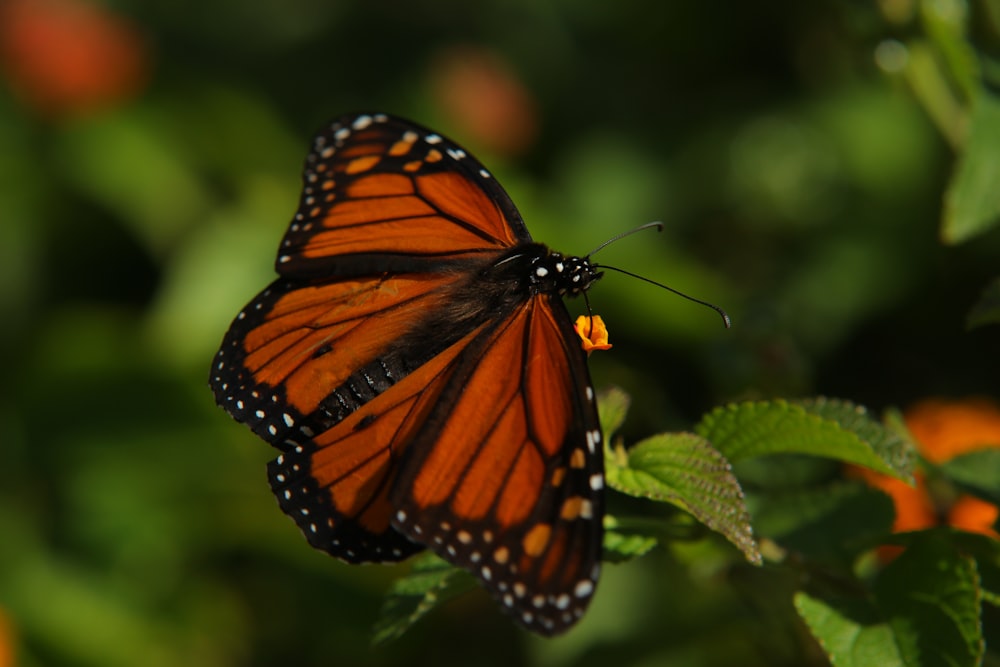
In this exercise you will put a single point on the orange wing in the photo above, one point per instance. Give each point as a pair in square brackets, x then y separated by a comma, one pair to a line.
[505, 475]
[298, 363]
[336, 484]
[390, 217]
[419, 371]
[381, 194]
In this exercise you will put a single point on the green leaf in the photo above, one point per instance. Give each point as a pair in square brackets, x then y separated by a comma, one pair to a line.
[687, 471]
[850, 631]
[887, 443]
[946, 26]
[832, 429]
[612, 406]
[930, 598]
[622, 543]
[924, 611]
[785, 471]
[979, 471]
[972, 201]
[987, 309]
[932, 86]
[833, 522]
[430, 582]
[986, 551]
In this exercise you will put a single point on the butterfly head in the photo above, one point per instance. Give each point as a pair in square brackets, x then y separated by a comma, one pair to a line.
[557, 273]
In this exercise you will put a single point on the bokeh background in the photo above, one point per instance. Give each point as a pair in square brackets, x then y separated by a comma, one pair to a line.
[149, 162]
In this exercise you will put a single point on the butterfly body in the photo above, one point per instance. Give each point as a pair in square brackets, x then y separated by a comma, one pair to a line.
[418, 370]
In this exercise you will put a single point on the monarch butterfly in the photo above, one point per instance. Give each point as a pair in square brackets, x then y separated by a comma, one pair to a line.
[417, 368]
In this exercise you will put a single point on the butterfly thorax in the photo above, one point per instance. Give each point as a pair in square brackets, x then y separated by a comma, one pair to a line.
[538, 270]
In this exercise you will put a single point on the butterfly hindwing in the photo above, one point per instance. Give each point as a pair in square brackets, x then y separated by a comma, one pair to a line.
[506, 477]
[336, 484]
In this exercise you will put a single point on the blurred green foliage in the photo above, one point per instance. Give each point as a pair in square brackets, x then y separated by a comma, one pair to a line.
[827, 172]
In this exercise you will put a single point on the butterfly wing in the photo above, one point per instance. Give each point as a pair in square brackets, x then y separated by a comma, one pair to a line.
[382, 194]
[297, 365]
[504, 477]
[414, 403]
[389, 215]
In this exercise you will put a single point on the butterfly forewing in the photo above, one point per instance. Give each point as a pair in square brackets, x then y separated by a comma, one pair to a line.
[419, 372]
[291, 348]
[381, 194]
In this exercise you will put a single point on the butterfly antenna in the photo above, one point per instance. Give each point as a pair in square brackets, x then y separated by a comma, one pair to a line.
[720, 311]
[659, 228]
[648, 225]
[590, 314]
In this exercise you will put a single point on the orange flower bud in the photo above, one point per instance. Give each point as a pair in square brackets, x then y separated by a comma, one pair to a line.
[593, 332]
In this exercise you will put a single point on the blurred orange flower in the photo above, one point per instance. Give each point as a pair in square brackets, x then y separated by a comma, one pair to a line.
[946, 429]
[68, 57]
[485, 99]
[943, 429]
[6, 640]
[593, 332]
